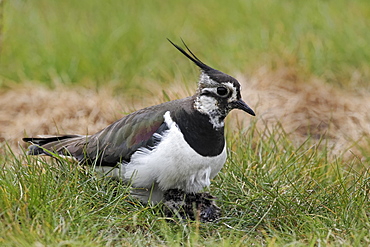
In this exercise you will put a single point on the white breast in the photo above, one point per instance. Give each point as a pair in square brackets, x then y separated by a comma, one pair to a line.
[173, 164]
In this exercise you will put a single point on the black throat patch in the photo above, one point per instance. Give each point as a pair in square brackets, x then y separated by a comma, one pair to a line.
[199, 133]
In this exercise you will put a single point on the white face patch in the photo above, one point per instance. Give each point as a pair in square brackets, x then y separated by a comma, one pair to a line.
[209, 105]
[206, 104]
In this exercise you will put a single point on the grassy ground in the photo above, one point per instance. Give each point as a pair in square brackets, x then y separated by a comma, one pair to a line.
[271, 193]
[305, 69]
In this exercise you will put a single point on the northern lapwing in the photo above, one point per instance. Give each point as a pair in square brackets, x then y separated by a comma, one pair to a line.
[177, 145]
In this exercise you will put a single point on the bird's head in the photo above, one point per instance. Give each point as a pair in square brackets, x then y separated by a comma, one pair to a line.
[218, 93]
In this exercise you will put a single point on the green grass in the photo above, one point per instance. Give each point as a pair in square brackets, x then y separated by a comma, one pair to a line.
[123, 43]
[271, 193]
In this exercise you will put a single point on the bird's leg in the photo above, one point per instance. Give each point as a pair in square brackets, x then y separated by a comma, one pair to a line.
[193, 206]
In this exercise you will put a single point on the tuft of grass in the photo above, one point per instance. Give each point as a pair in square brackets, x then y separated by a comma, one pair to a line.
[271, 193]
[294, 195]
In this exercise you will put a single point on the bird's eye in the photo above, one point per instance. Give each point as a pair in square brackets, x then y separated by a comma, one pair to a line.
[222, 91]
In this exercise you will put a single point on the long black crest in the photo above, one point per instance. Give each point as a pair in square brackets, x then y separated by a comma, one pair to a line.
[191, 56]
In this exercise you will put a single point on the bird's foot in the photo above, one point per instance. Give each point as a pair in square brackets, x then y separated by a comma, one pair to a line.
[194, 206]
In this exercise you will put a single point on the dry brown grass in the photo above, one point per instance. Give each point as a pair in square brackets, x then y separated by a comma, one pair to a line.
[311, 108]
[30, 110]
[302, 107]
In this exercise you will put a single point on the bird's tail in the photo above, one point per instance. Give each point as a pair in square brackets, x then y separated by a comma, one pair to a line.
[53, 144]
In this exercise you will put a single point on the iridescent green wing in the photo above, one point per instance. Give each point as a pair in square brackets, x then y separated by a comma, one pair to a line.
[117, 142]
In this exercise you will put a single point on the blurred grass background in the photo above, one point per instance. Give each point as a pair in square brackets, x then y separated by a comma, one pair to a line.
[123, 43]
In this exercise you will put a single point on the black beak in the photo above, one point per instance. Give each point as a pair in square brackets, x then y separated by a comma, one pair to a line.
[240, 104]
